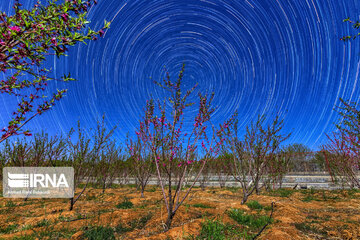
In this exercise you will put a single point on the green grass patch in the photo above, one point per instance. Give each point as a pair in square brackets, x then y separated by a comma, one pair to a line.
[140, 223]
[309, 198]
[126, 204]
[213, 229]
[352, 193]
[253, 204]
[91, 197]
[9, 229]
[268, 208]
[120, 229]
[152, 189]
[42, 223]
[201, 205]
[252, 221]
[217, 230]
[10, 204]
[99, 233]
[51, 233]
[233, 189]
[307, 228]
[281, 192]
[24, 237]
[328, 196]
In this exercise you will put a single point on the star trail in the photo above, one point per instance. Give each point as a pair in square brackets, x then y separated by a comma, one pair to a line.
[258, 57]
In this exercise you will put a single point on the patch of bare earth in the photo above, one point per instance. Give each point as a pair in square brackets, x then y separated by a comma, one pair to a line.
[302, 215]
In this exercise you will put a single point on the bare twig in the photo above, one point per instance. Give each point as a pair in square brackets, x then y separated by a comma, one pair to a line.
[263, 228]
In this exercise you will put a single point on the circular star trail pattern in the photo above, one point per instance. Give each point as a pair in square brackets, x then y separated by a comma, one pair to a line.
[258, 57]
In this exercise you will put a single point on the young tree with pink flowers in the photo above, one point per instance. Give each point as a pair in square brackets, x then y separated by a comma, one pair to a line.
[253, 154]
[140, 163]
[173, 151]
[27, 38]
[342, 152]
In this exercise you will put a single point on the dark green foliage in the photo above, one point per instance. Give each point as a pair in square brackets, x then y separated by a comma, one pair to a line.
[10, 204]
[25, 237]
[121, 229]
[251, 221]
[201, 205]
[126, 204]
[254, 205]
[9, 228]
[152, 189]
[213, 229]
[99, 233]
[217, 230]
[140, 223]
[307, 228]
[309, 198]
[281, 192]
[42, 223]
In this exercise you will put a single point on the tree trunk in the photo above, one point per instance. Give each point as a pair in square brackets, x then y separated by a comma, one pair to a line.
[169, 220]
[202, 185]
[245, 197]
[142, 191]
[71, 204]
[103, 188]
[257, 190]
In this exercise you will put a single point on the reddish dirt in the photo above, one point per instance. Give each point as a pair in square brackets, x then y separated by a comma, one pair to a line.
[303, 215]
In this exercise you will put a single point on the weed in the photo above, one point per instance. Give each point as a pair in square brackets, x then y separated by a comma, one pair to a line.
[42, 223]
[253, 204]
[152, 189]
[126, 204]
[140, 223]
[9, 229]
[10, 204]
[307, 228]
[101, 211]
[99, 233]
[281, 192]
[24, 237]
[352, 193]
[251, 221]
[91, 197]
[233, 189]
[201, 205]
[267, 208]
[121, 229]
[213, 229]
[51, 233]
[26, 227]
[217, 230]
[309, 198]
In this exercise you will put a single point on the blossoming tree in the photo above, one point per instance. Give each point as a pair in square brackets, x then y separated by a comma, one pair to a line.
[173, 151]
[342, 152]
[27, 38]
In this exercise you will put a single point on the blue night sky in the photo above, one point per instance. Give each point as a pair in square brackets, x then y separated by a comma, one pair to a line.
[258, 56]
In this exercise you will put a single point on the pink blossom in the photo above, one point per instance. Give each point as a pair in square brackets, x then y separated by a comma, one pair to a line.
[101, 33]
[64, 16]
[53, 41]
[15, 28]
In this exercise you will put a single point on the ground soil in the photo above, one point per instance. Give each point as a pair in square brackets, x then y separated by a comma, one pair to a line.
[302, 214]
